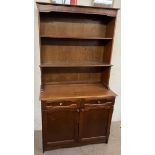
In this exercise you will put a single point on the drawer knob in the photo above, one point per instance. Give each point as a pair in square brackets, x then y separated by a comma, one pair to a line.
[60, 104]
[78, 110]
[82, 110]
[98, 102]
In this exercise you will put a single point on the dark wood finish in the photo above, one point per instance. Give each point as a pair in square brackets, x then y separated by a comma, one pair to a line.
[71, 74]
[60, 125]
[77, 27]
[75, 122]
[95, 118]
[75, 61]
[52, 53]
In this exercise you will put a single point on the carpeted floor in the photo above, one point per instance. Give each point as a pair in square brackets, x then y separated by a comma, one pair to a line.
[112, 148]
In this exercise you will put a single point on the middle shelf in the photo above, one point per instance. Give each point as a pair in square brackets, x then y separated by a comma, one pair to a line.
[75, 38]
[75, 64]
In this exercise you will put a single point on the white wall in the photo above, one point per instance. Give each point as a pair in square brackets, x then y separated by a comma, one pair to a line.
[37, 109]
[115, 80]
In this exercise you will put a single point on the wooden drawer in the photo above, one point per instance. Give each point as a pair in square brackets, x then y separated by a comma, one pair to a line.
[47, 105]
[108, 100]
[104, 103]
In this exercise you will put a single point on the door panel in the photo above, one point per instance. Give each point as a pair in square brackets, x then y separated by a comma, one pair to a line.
[60, 125]
[94, 121]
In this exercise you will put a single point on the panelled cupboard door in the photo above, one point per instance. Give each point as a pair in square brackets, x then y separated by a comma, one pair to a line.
[60, 126]
[95, 122]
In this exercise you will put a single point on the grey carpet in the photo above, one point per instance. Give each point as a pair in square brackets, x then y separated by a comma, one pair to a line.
[112, 148]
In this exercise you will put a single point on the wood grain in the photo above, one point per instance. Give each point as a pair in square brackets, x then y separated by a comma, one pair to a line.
[75, 26]
[75, 61]
[53, 53]
[71, 91]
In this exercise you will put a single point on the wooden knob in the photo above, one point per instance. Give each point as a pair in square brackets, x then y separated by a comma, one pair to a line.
[82, 110]
[60, 104]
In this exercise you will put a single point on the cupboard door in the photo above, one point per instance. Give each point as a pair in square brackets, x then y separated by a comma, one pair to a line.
[60, 125]
[95, 122]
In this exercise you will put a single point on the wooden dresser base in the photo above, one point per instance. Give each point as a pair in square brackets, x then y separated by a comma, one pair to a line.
[76, 122]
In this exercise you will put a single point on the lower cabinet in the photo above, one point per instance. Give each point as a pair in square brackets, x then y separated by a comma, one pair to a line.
[67, 123]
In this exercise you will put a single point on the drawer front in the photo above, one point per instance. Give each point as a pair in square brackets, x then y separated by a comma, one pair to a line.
[59, 105]
[104, 101]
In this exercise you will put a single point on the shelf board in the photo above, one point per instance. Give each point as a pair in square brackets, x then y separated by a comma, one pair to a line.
[74, 91]
[75, 64]
[75, 38]
[74, 82]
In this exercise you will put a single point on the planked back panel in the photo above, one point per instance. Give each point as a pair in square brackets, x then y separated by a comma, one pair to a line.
[74, 25]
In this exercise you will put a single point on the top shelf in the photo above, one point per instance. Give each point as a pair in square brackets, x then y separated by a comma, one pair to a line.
[49, 7]
[81, 6]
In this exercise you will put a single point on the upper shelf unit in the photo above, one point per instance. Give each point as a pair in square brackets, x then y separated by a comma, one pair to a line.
[75, 43]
